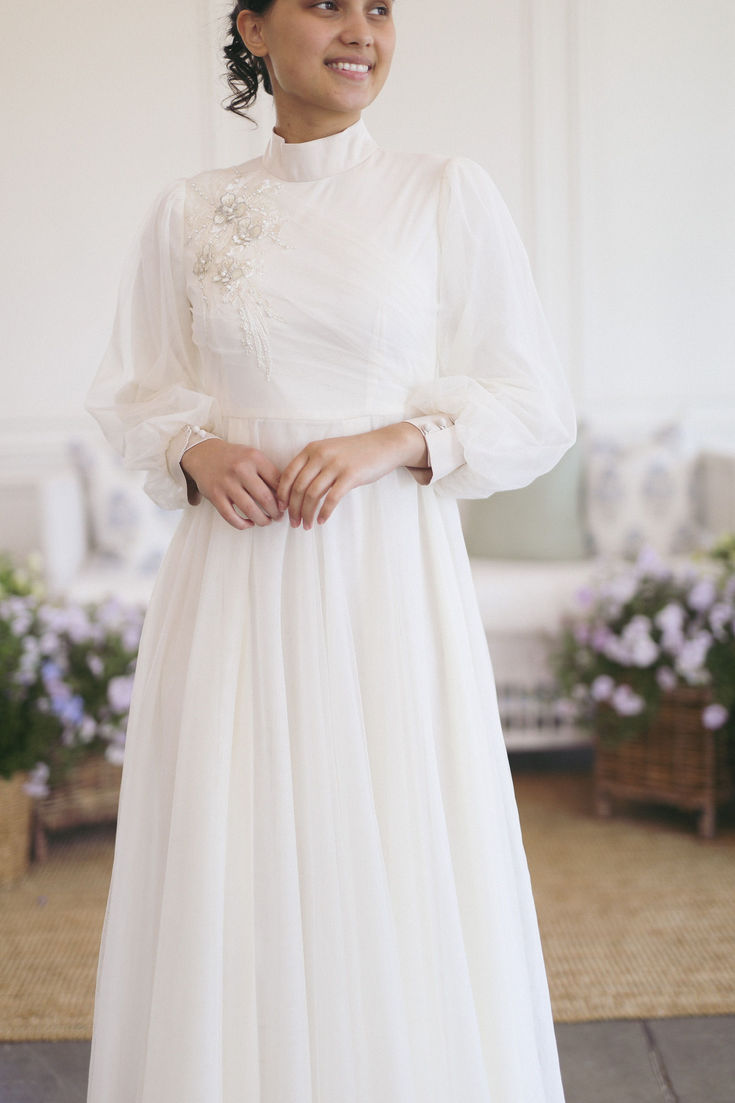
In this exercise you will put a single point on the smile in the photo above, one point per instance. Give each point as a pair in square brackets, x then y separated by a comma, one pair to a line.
[347, 67]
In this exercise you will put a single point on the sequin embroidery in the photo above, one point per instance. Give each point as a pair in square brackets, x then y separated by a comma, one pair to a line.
[229, 237]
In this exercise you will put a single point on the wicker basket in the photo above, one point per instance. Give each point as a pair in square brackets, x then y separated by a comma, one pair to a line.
[16, 809]
[90, 794]
[675, 761]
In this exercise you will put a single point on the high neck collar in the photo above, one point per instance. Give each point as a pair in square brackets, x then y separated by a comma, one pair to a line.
[321, 157]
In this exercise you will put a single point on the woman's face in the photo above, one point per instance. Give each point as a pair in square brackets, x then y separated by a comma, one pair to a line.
[327, 60]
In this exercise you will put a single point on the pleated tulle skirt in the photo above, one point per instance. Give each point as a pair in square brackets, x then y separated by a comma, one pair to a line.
[319, 891]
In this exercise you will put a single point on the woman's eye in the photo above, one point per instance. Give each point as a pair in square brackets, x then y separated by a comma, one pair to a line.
[327, 5]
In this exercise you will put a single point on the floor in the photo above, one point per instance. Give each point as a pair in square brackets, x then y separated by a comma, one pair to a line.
[651, 1061]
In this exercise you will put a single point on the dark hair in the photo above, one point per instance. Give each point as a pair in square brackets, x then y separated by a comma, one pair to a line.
[244, 71]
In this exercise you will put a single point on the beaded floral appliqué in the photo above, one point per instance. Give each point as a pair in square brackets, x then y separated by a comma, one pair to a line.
[229, 237]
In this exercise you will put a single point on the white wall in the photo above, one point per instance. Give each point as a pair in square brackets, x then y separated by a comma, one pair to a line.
[607, 125]
[657, 190]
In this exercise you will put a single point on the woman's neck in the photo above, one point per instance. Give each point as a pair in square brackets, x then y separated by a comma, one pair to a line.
[293, 127]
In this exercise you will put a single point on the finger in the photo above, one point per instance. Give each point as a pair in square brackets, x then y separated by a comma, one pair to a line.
[316, 490]
[265, 497]
[245, 502]
[285, 483]
[339, 488]
[225, 508]
[264, 489]
[301, 484]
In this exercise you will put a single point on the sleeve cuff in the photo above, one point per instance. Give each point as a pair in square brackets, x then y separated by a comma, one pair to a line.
[187, 437]
[445, 453]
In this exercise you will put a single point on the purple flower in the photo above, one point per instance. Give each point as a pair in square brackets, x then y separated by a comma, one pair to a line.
[719, 615]
[68, 708]
[642, 651]
[585, 596]
[650, 563]
[131, 637]
[626, 702]
[670, 619]
[119, 692]
[693, 653]
[620, 589]
[616, 650]
[702, 594]
[95, 664]
[602, 687]
[601, 635]
[666, 678]
[48, 643]
[714, 716]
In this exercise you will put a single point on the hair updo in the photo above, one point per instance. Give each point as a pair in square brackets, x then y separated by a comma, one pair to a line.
[245, 71]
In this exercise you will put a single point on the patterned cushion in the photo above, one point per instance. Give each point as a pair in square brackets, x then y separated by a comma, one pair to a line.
[641, 491]
[125, 526]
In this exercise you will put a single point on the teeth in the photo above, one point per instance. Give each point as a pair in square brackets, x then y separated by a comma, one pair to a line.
[349, 67]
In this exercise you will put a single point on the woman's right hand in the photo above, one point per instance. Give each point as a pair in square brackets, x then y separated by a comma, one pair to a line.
[231, 475]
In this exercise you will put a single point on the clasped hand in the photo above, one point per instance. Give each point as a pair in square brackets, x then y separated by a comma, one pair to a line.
[239, 477]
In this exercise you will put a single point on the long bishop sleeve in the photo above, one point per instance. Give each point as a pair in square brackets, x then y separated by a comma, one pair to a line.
[506, 410]
[146, 394]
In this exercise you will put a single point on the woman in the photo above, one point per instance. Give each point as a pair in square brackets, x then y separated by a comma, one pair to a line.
[319, 890]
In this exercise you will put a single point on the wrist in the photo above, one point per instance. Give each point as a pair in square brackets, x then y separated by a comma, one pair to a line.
[410, 443]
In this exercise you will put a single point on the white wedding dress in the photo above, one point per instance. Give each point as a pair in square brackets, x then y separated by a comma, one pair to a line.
[319, 891]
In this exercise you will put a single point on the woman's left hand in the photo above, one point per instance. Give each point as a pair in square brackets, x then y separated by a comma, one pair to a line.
[338, 464]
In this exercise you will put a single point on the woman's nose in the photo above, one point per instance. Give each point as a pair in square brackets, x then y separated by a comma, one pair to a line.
[357, 32]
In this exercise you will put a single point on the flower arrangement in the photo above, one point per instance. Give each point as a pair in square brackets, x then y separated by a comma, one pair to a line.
[643, 632]
[66, 674]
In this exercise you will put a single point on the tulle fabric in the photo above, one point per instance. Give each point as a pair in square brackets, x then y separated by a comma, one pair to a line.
[319, 891]
[149, 383]
[498, 370]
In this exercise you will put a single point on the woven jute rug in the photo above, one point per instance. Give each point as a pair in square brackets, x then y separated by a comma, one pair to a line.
[637, 915]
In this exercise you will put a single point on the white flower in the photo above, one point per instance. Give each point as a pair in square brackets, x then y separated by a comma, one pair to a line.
[714, 716]
[626, 702]
[115, 754]
[87, 729]
[36, 785]
[602, 687]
